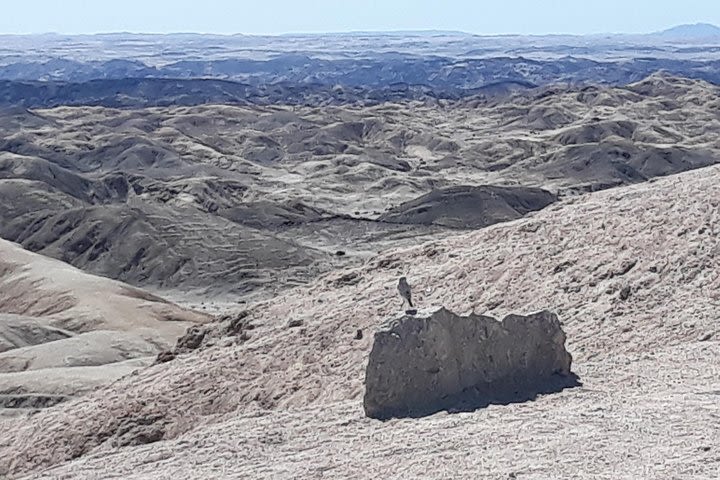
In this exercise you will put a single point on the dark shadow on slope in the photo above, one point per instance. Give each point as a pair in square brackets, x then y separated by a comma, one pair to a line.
[504, 392]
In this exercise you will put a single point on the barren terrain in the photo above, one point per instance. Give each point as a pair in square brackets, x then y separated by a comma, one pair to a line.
[199, 236]
[64, 332]
[630, 271]
[239, 202]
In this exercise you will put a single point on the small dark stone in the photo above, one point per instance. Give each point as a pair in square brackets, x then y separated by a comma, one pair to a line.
[164, 357]
[625, 268]
[139, 431]
[340, 253]
[625, 293]
[387, 263]
[238, 323]
[562, 267]
[359, 334]
[294, 323]
[191, 340]
[348, 279]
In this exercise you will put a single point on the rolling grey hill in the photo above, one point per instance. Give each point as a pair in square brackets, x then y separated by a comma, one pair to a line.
[245, 199]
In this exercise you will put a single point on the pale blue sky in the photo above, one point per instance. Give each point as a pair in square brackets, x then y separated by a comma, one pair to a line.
[282, 16]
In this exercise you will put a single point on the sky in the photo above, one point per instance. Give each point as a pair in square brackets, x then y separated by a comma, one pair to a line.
[313, 16]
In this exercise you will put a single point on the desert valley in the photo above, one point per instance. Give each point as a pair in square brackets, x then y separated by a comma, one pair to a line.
[201, 238]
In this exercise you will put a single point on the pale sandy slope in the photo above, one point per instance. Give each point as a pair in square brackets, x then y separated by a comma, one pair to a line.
[63, 331]
[288, 403]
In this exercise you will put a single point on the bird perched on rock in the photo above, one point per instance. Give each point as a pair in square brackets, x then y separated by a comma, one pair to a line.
[404, 289]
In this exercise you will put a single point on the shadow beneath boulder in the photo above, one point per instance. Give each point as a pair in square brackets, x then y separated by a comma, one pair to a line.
[477, 398]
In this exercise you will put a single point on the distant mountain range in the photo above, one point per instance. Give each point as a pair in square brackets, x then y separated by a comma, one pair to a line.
[303, 80]
[135, 70]
[697, 30]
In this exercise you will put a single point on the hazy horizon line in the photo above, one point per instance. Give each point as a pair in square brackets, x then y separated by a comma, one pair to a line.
[353, 32]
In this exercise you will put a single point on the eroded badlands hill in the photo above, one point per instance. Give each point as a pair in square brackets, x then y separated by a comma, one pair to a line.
[632, 273]
[239, 202]
[64, 332]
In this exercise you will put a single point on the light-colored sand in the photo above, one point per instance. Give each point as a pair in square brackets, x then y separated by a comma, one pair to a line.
[69, 381]
[37, 286]
[65, 332]
[99, 347]
[632, 273]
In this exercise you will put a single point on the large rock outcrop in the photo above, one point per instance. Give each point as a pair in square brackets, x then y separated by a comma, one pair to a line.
[436, 360]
